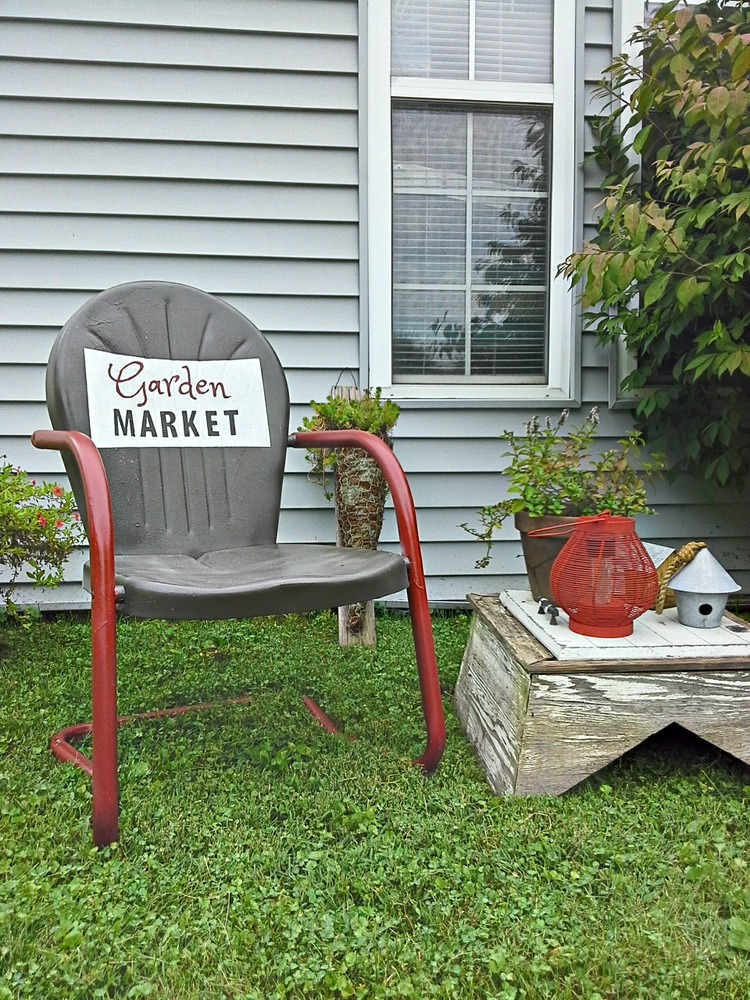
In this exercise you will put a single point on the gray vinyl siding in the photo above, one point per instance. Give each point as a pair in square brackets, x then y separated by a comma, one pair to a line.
[453, 455]
[208, 143]
[217, 144]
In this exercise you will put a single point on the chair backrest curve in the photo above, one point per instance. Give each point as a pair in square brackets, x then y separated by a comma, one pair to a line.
[175, 499]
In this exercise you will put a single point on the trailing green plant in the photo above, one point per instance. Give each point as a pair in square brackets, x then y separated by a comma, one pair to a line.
[553, 471]
[39, 527]
[669, 272]
[370, 413]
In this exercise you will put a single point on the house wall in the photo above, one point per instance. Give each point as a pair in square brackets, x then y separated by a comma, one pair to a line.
[452, 452]
[208, 143]
[216, 144]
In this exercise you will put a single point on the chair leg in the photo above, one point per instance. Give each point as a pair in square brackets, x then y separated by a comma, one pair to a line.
[104, 719]
[429, 682]
[403, 503]
[100, 531]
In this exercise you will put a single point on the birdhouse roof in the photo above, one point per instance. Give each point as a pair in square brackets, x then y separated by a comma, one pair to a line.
[704, 575]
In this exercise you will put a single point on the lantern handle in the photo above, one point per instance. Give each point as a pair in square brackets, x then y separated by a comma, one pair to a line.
[565, 529]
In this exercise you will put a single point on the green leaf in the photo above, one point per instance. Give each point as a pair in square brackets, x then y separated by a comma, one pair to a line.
[722, 470]
[699, 366]
[631, 217]
[739, 934]
[641, 139]
[741, 64]
[717, 100]
[738, 100]
[733, 361]
[686, 291]
[656, 288]
[680, 66]
[705, 212]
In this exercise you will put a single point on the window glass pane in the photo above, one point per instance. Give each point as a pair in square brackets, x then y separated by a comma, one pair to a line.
[514, 40]
[511, 150]
[486, 233]
[508, 334]
[429, 232]
[511, 43]
[429, 333]
[430, 38]
[429, 148]
[429, 239]
[509, 241]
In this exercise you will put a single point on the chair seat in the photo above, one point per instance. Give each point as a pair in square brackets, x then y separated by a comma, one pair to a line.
[260, 580]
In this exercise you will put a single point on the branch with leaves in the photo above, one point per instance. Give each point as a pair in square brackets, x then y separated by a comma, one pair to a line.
[39, 528]
[669, 272]
[553, 469]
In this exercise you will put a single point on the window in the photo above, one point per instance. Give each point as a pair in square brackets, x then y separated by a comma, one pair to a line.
[470, 184]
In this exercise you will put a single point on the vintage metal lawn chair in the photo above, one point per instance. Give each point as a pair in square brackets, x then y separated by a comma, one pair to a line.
[171, 411]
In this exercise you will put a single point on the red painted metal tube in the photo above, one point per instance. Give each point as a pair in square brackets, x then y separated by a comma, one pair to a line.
[406, 520]
[103, 636]
[320, 716]
[64, 750]
[62, 747]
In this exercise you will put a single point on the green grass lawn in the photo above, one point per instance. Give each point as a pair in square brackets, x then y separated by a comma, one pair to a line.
[262, 858]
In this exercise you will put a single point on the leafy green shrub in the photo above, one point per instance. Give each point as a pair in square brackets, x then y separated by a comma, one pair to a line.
[39, 527]
[552, 472]
[670, 270]
[370, 413]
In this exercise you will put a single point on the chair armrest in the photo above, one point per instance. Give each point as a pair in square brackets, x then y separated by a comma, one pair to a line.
[98, 513]
[403, 503]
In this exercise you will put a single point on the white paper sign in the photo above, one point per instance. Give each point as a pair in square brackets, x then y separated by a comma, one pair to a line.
[165, 403]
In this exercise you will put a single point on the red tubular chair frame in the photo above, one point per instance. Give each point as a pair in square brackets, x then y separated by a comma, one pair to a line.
[102, 766]
[103, 727]
[416, 592]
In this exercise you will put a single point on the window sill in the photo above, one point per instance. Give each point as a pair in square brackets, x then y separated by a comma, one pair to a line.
[480, 396]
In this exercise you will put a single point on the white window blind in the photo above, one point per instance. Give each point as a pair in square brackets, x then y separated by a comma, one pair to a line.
[466, 229]
[470, 194]
[470, 247]
[508, 41]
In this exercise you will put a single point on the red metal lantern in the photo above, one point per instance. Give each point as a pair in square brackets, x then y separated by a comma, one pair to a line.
[603, 578]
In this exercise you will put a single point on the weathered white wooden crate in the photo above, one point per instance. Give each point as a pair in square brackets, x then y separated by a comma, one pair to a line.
[545, 708]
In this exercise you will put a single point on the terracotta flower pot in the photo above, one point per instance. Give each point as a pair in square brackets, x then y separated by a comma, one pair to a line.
[540, 553]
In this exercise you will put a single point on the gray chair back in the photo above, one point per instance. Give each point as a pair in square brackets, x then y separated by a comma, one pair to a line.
[178, 482]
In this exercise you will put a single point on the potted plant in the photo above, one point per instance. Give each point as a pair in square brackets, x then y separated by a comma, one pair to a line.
[553, 478]
[359, 486]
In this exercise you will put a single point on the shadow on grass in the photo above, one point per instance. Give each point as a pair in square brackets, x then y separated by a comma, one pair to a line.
[673, 752]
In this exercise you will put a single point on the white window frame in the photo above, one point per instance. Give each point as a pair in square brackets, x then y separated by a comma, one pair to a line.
[376, 179]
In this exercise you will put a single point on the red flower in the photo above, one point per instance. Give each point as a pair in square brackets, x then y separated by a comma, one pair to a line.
[57, 491]
[58, 524]
[42, 520]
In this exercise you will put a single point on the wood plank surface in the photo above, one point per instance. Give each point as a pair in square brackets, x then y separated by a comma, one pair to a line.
[540, 726]
[575, 725]
[657, 638]
[491, 700]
